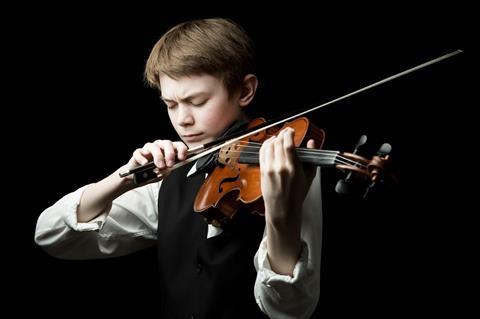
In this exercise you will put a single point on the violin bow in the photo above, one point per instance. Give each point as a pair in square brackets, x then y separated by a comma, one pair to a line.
[208, 148]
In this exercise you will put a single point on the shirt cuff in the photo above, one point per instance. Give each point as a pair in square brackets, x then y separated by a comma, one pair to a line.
[270, 278]
[71, 220]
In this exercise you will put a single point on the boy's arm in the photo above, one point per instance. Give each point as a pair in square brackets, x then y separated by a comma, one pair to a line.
[295, 295]
[126, 225]
[98, 196]
[283, 290]
[75, 227]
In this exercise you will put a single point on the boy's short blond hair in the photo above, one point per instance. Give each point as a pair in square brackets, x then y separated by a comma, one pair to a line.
[218, 47]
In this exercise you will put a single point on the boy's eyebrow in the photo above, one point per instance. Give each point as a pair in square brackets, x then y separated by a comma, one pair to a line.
[186, 98]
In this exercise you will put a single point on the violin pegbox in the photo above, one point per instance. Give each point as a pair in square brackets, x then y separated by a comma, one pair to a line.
[381, 169]
[364, 174]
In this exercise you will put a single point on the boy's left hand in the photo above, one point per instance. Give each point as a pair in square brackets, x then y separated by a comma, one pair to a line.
[284, 180]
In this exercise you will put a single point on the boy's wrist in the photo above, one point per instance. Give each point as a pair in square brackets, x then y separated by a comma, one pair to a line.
[123, 184]
[279, 217]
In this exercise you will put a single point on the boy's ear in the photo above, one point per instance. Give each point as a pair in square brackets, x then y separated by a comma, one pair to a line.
[249, 87]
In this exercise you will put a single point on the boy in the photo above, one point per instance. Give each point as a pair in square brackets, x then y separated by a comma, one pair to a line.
[204, 70]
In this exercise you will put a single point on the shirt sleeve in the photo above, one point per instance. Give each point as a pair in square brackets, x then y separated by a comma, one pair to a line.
[282, 296]
[128, 225]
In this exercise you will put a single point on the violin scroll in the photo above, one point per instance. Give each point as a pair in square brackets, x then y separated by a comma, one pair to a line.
[377, 170]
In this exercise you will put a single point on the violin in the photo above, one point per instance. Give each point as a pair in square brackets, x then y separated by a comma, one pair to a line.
[234, 183]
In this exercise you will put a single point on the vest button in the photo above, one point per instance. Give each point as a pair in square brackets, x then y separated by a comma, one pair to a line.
[199, 268]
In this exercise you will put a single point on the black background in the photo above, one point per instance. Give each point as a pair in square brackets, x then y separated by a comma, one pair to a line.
[81, 108]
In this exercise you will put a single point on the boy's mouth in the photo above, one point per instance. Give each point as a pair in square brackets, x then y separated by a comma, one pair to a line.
[192, 137]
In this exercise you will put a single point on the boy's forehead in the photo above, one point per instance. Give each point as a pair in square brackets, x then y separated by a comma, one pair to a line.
[185, 86]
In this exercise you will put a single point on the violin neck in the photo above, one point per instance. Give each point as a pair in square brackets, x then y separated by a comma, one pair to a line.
[323, 158]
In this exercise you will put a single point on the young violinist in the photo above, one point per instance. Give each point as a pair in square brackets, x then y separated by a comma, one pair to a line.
[251, 267]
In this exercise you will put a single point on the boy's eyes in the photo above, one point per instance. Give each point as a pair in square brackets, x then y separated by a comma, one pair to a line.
[171, 105]
[198, 103]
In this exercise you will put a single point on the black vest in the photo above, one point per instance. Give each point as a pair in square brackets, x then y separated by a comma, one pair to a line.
[200, 277]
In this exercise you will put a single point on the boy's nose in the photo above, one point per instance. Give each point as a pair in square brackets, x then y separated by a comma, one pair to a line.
[184, 117]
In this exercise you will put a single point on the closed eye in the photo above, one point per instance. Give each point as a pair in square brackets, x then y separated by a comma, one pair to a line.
[170, 105]
[199, 103]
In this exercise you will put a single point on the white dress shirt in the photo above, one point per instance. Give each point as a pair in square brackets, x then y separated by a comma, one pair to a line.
[130, 224]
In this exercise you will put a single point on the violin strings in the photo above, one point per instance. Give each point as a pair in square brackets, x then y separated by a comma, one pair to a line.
[258, 145]
[333, 155]
[327, 154]
[253, 145]
[337, 159]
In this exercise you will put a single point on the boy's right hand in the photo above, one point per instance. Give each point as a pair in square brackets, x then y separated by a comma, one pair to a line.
[163, 153]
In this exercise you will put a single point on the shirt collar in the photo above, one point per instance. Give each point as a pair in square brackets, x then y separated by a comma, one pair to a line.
[192, 170]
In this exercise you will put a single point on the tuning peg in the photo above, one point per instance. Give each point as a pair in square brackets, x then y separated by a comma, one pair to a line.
[350, 187]
[361, 141]
[342, 187]
[384, 150]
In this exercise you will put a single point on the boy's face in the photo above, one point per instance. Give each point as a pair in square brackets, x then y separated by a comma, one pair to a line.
[199, 107]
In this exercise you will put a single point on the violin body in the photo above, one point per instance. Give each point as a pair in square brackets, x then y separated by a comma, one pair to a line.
[234, 184]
